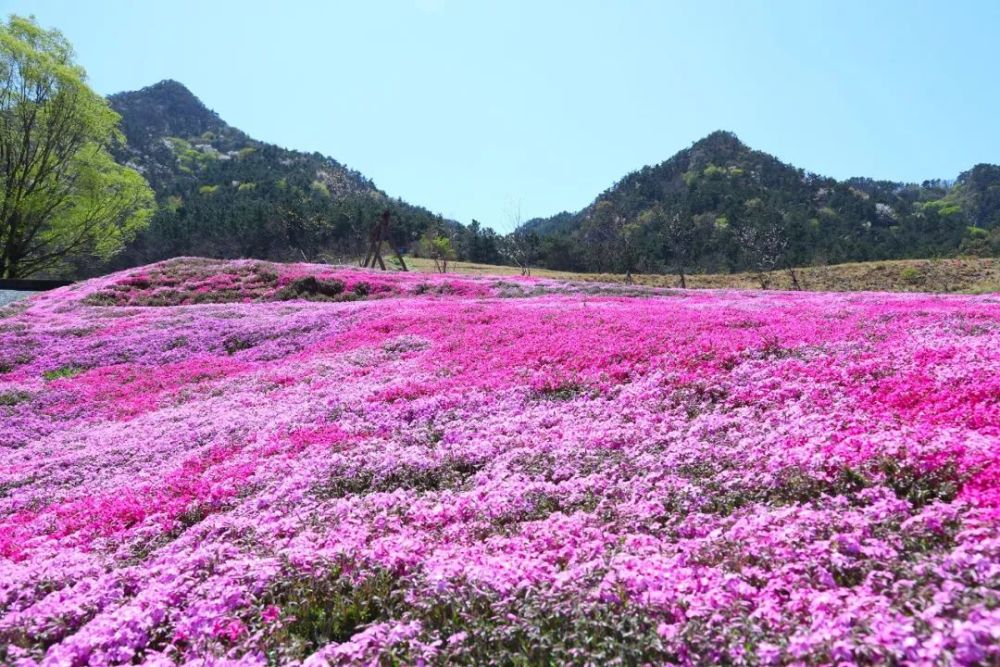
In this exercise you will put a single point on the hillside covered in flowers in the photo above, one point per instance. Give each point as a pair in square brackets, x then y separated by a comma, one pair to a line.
[246, 463]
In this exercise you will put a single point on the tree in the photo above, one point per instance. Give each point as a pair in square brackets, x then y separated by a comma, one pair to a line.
[599, 233]
[476, 243]
[981, 243]
[521, 245]
[764, 242]
[437, 247]
[628, 248]
[61, 193]
[683, 239]
[561, 251]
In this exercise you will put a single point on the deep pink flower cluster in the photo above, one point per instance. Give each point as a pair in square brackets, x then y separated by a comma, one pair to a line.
[294, 469]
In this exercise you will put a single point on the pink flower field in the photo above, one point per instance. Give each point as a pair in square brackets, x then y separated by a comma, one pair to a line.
[245, 463]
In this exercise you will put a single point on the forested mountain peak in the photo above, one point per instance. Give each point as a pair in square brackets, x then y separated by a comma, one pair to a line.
[224, 194]
[166, 108]
[721, 154]
[720, 144]
[171, 134]
[719, 192]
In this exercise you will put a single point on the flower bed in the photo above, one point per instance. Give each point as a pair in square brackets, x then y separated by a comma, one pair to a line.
[247, 462]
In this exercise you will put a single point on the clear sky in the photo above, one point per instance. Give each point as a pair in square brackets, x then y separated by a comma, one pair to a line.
[469, 108]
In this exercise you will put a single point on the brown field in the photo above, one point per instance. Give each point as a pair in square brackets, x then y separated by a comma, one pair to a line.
[974, 275]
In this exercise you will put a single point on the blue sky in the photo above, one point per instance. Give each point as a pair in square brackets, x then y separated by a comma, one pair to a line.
[472, 108]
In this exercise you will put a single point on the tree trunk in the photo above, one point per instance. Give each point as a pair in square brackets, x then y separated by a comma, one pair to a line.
[680, 273]
[399, 256]
[377, 254]
[795, 280]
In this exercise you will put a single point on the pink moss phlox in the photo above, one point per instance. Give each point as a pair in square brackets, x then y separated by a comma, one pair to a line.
[204, 461]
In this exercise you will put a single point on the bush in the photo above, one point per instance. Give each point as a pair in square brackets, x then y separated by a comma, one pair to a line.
[64, 372]
[311, 287]
[911, 275]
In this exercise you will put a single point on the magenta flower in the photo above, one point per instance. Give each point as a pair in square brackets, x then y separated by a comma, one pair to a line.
[238, 462]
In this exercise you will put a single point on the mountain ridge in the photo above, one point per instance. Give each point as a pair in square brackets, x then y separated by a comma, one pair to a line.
[224, 194]
[725, 188]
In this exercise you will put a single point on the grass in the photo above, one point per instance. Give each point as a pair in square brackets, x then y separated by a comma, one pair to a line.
[64, 372]
[974, 275]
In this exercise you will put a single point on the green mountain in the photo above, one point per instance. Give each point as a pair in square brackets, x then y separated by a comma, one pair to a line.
[719, 193]
[223, 194]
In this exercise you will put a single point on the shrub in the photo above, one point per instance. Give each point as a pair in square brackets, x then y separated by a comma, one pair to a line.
[910, 275]
[63, 372]
[311, 287]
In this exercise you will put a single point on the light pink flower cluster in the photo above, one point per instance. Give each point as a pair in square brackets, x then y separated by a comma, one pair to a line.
[245, 463]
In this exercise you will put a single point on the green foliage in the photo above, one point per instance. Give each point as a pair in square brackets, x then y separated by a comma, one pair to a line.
[910, 275]
[61, 193]
[284, 205]
[63, 372]
[713, 171]
[435, 245]
[450, 473]
[475, 243]
[981, 242]
[721, 207]
[715, 207]
[943, 207]
[918, 486]
[326, 609]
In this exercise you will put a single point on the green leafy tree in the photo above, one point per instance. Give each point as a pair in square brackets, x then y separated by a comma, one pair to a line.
[600, 233]
[478, 244]
[62, 196]
[438, 247]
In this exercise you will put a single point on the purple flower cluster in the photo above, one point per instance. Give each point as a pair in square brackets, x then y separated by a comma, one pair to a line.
[244, 463]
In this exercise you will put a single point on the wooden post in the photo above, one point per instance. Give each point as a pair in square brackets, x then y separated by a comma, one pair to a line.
[399, 256]
[378, 255]
[378, 235]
